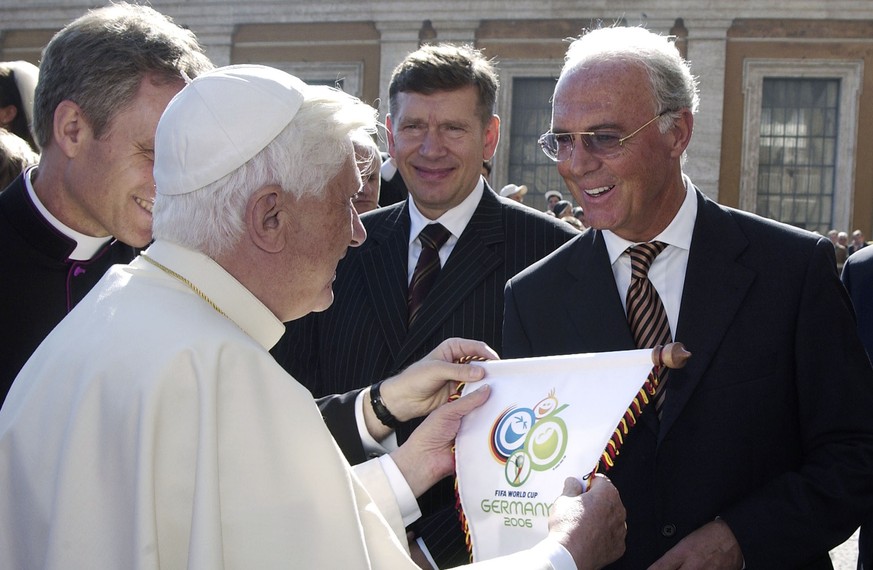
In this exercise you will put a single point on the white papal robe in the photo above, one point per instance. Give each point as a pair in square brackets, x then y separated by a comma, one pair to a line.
[149, 430]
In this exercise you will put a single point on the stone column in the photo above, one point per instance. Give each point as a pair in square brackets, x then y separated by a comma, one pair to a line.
[398, 39]
[707, 47]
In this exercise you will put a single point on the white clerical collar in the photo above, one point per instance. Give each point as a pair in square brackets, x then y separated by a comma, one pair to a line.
[86, 246]
[677, 233]
[219, 287]
[455, 220]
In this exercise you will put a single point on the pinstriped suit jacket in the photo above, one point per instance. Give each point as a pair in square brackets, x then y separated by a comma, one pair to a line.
[363, 336]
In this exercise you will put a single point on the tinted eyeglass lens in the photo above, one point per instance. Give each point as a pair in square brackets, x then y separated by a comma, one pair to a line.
[601, 143]
[559, 147]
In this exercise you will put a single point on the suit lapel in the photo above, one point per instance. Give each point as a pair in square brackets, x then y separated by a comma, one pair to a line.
[473, 258]
[596, 299]
[715, 285]
[384, 269]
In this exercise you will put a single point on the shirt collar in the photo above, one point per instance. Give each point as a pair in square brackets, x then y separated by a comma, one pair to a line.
[238, 303]
[455, 220]
[86, 246]
[388, 169]
[677, 233]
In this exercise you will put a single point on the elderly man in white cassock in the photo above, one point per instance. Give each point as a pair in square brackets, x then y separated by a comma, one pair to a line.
[182, 444]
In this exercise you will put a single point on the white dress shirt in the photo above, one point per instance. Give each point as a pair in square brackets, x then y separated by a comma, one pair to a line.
[455, 220]
[667, 272]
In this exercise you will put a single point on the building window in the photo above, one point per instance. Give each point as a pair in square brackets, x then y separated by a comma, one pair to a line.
[344, 76]
[799, 141]
[798, 151]
[525, 109]
[338, 83]
[532, 113]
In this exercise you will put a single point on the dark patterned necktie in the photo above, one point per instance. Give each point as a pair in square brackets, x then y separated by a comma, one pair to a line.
[645, 311]
[432, 238]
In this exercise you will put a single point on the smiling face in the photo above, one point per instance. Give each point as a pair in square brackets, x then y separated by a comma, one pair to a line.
[438, 142]
[637, 192]
[111, 185]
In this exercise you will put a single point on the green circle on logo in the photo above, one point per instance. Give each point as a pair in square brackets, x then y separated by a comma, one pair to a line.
[546, 443]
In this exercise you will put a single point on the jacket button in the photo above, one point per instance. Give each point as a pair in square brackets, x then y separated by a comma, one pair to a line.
[668, 530]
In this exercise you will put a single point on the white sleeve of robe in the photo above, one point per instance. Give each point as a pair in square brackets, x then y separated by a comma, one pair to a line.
[181, 445]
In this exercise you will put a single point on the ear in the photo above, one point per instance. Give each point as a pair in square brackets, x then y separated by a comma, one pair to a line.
[682, 129]
[266, 218]
[70, 129]
[389, 130]
[7, 115]
[492, 137]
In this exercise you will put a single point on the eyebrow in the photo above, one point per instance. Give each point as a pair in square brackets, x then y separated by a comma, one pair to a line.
[601, 127]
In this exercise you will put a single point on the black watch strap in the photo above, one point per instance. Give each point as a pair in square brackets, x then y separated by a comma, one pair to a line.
[382, 412]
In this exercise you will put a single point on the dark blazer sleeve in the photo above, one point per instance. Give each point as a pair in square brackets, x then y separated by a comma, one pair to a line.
[338, 412]
[822, 500]
[857, 276]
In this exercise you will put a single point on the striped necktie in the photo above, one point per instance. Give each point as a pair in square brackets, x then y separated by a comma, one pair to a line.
[432, 238]
[645, 311]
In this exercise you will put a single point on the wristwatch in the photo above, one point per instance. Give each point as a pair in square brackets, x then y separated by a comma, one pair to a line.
[382, 412]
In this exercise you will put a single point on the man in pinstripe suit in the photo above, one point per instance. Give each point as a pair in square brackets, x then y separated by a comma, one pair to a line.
[440, 129]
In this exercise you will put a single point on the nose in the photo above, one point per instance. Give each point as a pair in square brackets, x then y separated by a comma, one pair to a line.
[359, 234]
[581, 161]
[432, 143]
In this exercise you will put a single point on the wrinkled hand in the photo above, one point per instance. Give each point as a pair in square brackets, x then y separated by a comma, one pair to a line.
[428, 383]
[427, 455]
[590, 525]
[712, 546]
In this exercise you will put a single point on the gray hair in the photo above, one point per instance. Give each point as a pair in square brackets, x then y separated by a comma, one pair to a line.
[366, 151]
[673, 86]
[98, 61]
[302, 160]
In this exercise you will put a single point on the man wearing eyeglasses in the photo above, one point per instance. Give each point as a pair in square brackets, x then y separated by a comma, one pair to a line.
[759, 452]
[441, 128]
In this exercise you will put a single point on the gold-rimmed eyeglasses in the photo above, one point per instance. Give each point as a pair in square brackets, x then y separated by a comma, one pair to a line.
[605, 144]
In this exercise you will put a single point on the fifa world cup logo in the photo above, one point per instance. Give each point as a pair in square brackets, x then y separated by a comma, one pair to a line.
[529, 439]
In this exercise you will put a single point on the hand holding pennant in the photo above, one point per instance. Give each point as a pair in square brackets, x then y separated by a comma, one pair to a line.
[547, 419]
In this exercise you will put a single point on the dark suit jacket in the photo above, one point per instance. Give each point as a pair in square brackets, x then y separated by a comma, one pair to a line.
[769, 424]
[392, 191]
[40, 284]
[363, 336]
[857, 276]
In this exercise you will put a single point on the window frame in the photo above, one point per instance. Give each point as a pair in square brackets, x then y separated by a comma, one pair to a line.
[850, 74]
[350, 72]
[508, 71]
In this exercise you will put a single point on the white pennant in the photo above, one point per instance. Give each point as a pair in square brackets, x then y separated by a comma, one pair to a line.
[546, 419]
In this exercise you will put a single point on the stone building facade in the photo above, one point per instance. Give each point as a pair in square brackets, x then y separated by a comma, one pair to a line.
[785, 126]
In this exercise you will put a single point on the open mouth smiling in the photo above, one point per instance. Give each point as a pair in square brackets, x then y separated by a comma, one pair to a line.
[598, 191]
[146, 205]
